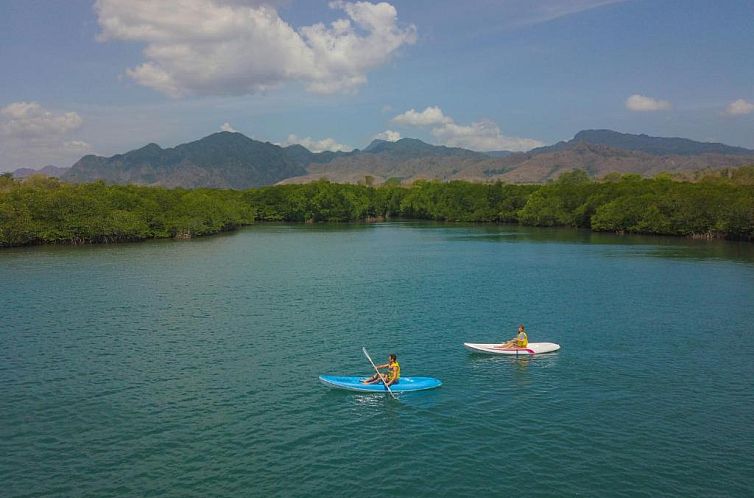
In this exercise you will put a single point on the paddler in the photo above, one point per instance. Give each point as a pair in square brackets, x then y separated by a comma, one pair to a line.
[520, 341]
[392, 375]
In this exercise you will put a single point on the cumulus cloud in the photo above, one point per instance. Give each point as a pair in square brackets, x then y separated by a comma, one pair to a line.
[739, 107]
[29, 119]
[221, 47]
[430, 116]
[77, 146]
[481, 135]
[641, 103]
[33, 136]
[389, 135]
[317, 145]
[227, 127]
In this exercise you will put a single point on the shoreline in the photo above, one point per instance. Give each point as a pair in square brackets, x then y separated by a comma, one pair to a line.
[185, 237]
[49, 212]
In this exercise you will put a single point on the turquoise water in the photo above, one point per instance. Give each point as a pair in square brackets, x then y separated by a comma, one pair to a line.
[190, 368]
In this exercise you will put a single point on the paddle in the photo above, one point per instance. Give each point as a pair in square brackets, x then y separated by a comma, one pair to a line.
[378, 372]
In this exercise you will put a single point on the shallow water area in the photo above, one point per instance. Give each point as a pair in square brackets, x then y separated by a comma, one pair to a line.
[191, 368]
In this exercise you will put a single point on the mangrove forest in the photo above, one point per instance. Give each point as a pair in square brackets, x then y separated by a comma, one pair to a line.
[41, 210]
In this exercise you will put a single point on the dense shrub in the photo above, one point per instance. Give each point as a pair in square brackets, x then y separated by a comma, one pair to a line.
[44, 210]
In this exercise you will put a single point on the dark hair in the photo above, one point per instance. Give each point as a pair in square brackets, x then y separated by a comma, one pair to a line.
[393, 357]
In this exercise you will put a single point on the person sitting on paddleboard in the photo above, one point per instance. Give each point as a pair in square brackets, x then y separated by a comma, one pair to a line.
[520, 341]
[391, 377]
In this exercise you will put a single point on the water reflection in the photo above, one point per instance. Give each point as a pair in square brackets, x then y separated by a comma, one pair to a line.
[632, 245]
[665, 247]
[544, 360]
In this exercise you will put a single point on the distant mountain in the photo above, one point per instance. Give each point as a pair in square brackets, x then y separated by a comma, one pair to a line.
[499, 153]
[406, 159]
[225, 160]
[411, 148]
[49, 170]
[599, 160]
[660, 146]
[232, 160]
[303, 156]
[595, 151]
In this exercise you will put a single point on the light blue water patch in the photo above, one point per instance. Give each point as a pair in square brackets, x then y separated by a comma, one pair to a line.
[191, 368]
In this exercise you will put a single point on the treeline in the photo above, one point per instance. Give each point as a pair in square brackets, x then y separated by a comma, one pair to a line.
[717, 206]
[425, 200]
[41, 210]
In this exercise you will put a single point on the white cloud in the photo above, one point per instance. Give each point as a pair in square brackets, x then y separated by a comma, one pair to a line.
[77, 146]
[29, 119]
[33, 136]
[641, 103]
[480, 135]
[430, 116]
[739, 107]
[548, 10]
[227, 127]
[317, 145]
[221, 47]
[389, 135]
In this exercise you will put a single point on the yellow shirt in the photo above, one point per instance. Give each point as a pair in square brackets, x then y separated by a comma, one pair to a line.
[522, 341]
[395, 371]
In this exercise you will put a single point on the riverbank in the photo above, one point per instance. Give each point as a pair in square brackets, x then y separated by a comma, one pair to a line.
[46, 211]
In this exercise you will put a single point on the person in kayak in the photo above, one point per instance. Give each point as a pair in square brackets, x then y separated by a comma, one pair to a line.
[391, 377]
[520, 341]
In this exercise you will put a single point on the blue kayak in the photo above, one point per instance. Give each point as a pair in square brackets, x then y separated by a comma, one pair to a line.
[404, 384]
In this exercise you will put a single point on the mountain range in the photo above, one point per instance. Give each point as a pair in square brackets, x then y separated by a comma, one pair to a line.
[49, 170]
[232, 160]
[222, 160]
[599, 152]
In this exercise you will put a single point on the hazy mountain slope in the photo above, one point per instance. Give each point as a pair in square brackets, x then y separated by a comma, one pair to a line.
[532, 167]
[412, 148]
[225, 159]
[231, 160]
[643, 143]
[600, 160]
[407, 159]
[49, 170]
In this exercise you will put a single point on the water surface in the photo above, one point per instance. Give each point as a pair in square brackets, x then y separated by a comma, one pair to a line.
[190, 368]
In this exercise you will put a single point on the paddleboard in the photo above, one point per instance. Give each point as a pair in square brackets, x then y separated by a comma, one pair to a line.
[530, 349]
[405, 384]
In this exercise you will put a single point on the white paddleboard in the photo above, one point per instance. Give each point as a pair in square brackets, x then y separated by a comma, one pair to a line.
[530, 349]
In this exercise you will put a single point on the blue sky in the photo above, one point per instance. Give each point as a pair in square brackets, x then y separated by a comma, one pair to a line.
[108, 76]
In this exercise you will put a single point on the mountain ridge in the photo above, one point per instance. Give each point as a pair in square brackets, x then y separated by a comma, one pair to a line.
[646, 143]
[222, 160]
[232, 160]
[49, 170]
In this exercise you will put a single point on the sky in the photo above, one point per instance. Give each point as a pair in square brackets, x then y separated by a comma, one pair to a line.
[107, 76]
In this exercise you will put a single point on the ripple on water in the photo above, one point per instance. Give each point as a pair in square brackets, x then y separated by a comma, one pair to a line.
[191, 369]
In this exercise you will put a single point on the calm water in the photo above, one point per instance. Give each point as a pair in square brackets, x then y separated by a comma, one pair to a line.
[190, 368]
